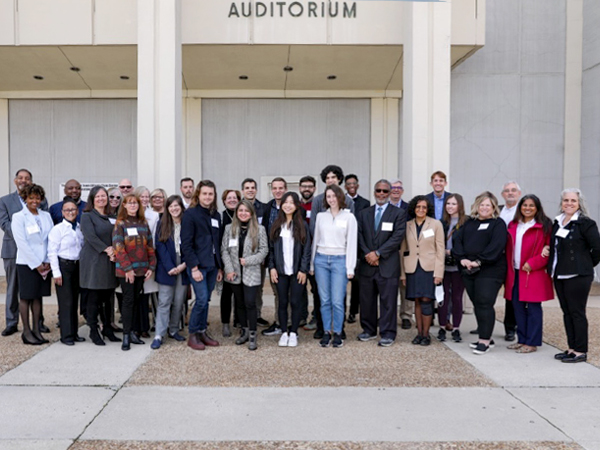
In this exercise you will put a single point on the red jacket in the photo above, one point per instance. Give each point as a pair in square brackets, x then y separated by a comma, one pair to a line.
[535, 286]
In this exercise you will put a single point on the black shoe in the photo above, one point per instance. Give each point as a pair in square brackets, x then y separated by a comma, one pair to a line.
[177, 337]
[135, 339]
[337, 340]
[262, 322]
[44, 328]
[273, 330]
[417, 340]
[364, 337]
[318, 334]
[95, 336]
[77, 338]
[126, 342]
[572, 358]
[441, 335]
[475, 344]
[351, 318]
[326, 340]
[67, 342]
[474, 332]
[9, 330]
[40, 338]
[32, 341]
[481, 348]
[406, 325]
[510, 336]
[563, 355]
[456, 336]
[110, 334]
[426, 340]
[343, 335]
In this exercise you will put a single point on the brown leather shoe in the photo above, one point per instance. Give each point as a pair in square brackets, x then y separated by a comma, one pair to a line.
[208, 341]
[194, 342]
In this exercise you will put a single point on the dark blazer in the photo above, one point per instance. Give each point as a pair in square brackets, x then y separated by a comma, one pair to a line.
[56, 211]
[579, 252]
[387, 243]
[360, 203]
[10, 204]
[166, 260]
[200, 240]
[301, 254]
[96, 271]
[431, 198]
[265, 216]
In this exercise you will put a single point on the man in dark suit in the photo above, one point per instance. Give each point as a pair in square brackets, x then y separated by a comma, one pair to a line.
[360, 203]
[439, 194]
[396, 195]
[381, 229]
[73, 190]
[10, 204]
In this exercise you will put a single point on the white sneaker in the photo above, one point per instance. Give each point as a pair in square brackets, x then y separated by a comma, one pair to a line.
[283, 340]
[293, 340]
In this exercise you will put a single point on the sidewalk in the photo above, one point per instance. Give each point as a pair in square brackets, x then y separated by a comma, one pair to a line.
[76, 396]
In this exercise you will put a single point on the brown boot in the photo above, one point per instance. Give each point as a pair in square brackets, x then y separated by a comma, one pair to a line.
[194, 342]
[207, 340]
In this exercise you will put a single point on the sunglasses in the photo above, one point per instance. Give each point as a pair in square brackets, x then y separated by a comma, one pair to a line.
[125, 187]
[114, 196]
[385, 191]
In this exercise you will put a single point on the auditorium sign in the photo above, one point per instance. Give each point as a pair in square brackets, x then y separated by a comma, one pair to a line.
[346, 10]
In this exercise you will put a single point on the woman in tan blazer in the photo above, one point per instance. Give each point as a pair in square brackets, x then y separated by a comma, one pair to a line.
[423, 252]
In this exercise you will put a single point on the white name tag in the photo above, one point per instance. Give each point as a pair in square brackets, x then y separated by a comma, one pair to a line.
[483, 226]
[341, 223]
[285, 233]
[428, 233]
[387, 226]
[32, 229]
[233, 242]
[112, 221]
[132, 232]
[562, 233]
[260, 220]
[214, 223]
[308, 214]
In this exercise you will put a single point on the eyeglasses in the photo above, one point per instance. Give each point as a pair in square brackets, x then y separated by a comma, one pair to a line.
[70, 210]
[397, 188]
[385, 191]
[307, 186]
[112, 197]
[125, 186]
[132, 203]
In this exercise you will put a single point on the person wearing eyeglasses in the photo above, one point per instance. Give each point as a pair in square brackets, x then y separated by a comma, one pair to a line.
[114, 199]
[64, 246]
[157, 200]
[125, 186]
[73, 191]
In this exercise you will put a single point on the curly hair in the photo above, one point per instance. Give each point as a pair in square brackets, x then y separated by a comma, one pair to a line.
[337, 170]
[412, 205]
[33, 189]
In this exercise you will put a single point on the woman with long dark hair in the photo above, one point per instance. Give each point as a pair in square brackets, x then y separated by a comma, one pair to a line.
[527, 283]
[230, 198]
[289, 263]
[136, 261]
[243, 250]
[171, 273]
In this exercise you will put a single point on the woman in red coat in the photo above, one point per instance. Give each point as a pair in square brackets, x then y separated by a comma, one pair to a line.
[527, 282]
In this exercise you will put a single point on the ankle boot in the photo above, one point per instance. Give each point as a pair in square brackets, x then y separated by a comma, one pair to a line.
[126, 342]
[207, 340]
[95, 336]
[135, 339]
[244, 336]
[252, 344]
[226, 330]
[110, 334]
[195, 342]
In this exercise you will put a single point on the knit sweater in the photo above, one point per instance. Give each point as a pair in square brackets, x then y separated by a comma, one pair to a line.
[132, 241]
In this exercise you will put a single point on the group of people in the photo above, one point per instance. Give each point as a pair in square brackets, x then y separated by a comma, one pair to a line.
[131, 243]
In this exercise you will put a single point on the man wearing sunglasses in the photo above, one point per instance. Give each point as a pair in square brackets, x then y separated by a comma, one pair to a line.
[125, 186]
[381, 228]
[73, 190]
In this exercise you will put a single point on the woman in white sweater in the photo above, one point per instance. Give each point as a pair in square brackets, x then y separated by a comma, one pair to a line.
[333, 260]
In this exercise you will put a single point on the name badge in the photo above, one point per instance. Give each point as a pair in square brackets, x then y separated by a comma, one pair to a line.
[387, 226]
[214, 223]
[428, 233]
[132, 232]
[285, 233]
[341, 223]
[32, 229]
[308, 214]
[562, 233]
[112, 221]
[483, 226]
[260, 220]
[233, 242]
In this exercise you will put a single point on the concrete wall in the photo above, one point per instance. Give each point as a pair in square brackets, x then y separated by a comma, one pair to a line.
[508, 103]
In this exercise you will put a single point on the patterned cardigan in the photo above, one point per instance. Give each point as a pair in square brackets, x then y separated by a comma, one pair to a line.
[231, 260]
[134, 250]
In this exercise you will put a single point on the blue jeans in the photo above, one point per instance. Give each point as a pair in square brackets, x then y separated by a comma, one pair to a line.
[332, 280]
[202, 289]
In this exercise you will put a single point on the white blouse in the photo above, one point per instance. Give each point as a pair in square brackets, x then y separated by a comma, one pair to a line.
[65, 243]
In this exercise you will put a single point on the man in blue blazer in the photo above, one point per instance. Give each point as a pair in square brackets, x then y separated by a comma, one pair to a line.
[10, 204]
[381, 229]
[439, 194]
[73, 190]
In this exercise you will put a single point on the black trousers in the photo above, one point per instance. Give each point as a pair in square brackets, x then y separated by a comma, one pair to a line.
[354, 295]
[510, 321]
[98, 303]
[387, 290]
[245, 304]
[68, 296]
[226, 304]
[132, 294]
[141, 313]
[573, 295]
[483, 293]
[290, 292]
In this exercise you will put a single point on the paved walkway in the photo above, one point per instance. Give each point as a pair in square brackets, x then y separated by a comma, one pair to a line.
[62, 395]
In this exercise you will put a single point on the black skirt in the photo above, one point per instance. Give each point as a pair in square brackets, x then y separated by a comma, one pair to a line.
[420, 284]
[31, 283]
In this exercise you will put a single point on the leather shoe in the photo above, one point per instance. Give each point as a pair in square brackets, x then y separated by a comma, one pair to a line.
[510, 336]
[135, 339]
[406, 324]
[9, 330]
[474, 332]
[562, 355]
[67, 342]
[126, 342]
[194, 342]
[177, 337]
[572, 358]
[207, 340]
[44, 328]
[79, 338]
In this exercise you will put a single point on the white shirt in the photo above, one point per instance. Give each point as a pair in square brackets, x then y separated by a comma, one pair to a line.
[336, 236]
[65, 243]
[508, 214]
[560, 219]
[521, 230]
[287, 239]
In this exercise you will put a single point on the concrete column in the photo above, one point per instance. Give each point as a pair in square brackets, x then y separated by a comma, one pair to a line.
[159, 157]
[384, 139]
[426, 93]
[193, 139]
[573, 92]
[6, 184]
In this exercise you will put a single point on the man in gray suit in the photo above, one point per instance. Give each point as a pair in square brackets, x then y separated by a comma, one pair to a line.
[10, 204]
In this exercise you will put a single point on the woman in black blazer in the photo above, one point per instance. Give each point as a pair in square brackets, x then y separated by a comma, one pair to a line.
[574, 251]
[289, 263]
